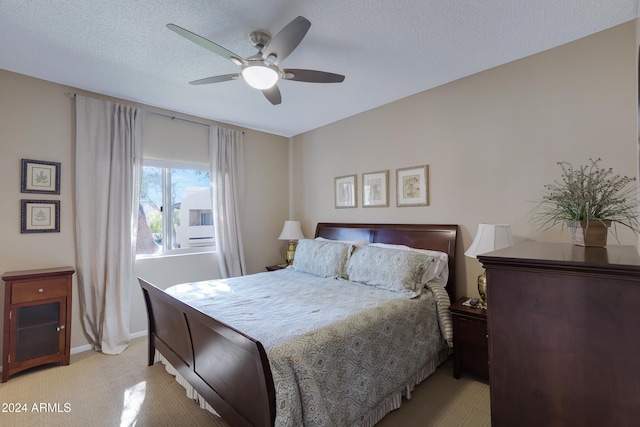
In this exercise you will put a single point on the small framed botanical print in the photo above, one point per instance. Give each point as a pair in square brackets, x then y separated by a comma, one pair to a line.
[375, 189]
[412, 186]
[345, 191]
[40, 177]
[40, 216]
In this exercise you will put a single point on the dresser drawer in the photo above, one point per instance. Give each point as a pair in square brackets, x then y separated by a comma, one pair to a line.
[37, 290]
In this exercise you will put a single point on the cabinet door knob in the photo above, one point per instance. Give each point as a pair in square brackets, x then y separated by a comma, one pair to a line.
[61, 327]
[41, 291]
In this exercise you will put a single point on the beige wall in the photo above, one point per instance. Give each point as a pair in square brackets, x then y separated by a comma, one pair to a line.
[491, 141]
[37, 122]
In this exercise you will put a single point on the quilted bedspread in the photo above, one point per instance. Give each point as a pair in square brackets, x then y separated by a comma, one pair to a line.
[336, 348]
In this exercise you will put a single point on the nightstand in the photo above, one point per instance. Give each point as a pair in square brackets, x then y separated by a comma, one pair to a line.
[37, 319]
[470, 340]
[276, 267]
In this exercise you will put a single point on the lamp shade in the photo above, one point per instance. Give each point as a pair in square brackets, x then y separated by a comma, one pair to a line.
[490, 237]
[291, 231]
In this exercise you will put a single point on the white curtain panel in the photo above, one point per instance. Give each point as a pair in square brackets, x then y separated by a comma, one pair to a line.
[226, 149]
[108, 166]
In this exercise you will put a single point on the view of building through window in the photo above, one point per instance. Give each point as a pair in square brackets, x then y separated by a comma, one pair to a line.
[175, 210]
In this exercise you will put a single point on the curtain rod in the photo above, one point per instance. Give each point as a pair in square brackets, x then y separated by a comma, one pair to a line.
[177, 118]
[73, 95]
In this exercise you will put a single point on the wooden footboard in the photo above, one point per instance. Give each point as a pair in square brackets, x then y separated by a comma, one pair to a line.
[227, 368]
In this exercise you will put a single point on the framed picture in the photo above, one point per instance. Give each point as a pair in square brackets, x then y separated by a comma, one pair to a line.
[375, 189]
[412, 186]
[345, 191]
[40, 177]
[40, 216]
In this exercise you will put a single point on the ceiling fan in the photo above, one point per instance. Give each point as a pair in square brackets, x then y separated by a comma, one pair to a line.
[262, 70]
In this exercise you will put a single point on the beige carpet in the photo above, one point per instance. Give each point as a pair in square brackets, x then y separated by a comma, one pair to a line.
[99, 390]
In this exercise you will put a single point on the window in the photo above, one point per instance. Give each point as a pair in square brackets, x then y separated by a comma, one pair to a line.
[175, 213]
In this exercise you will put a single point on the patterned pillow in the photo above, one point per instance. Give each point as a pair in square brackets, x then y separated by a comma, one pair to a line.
[322, 258]
[391, 269]
[439, 268]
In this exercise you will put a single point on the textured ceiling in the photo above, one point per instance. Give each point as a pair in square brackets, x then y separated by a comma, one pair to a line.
[386, 49]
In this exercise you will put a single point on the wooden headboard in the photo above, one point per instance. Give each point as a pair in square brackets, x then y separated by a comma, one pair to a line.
[435, 237]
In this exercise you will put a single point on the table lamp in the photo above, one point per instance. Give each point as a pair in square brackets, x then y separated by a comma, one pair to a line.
[490, 237]
[291, 232]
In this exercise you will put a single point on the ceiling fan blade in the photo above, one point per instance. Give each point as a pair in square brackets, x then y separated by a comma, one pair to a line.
[287, 39]
[207, 44]
[273, 95]
[215, 79]
[312, 76]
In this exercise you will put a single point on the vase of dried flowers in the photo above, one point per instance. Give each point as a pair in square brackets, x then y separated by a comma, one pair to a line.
[588, 200]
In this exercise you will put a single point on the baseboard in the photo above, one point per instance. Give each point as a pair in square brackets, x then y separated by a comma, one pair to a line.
[82, 348]
[139, 334]
[88, 347]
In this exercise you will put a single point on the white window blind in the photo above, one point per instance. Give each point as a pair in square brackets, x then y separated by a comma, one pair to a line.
[175, 140]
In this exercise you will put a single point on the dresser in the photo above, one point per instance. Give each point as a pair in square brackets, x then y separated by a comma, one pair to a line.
[564, 335]
[37, 319]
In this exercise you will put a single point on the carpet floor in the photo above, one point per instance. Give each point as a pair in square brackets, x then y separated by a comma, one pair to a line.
[99, 390]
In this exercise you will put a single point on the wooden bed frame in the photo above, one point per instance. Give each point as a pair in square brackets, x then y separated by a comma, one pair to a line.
[229, 369]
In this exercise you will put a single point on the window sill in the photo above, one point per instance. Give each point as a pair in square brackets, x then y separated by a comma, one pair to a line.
[176, 253]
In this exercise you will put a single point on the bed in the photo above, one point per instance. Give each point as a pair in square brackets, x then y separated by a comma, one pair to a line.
[245, 370]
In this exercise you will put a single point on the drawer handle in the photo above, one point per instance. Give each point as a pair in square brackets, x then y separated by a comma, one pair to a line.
[41, 291]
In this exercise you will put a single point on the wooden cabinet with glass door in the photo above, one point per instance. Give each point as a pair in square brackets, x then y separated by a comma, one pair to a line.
[37, 319]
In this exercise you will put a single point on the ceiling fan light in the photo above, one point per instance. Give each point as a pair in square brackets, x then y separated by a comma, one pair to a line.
[260, 76]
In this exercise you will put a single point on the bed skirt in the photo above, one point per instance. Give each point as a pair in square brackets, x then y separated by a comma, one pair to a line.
[392, 402]
[191, 392]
